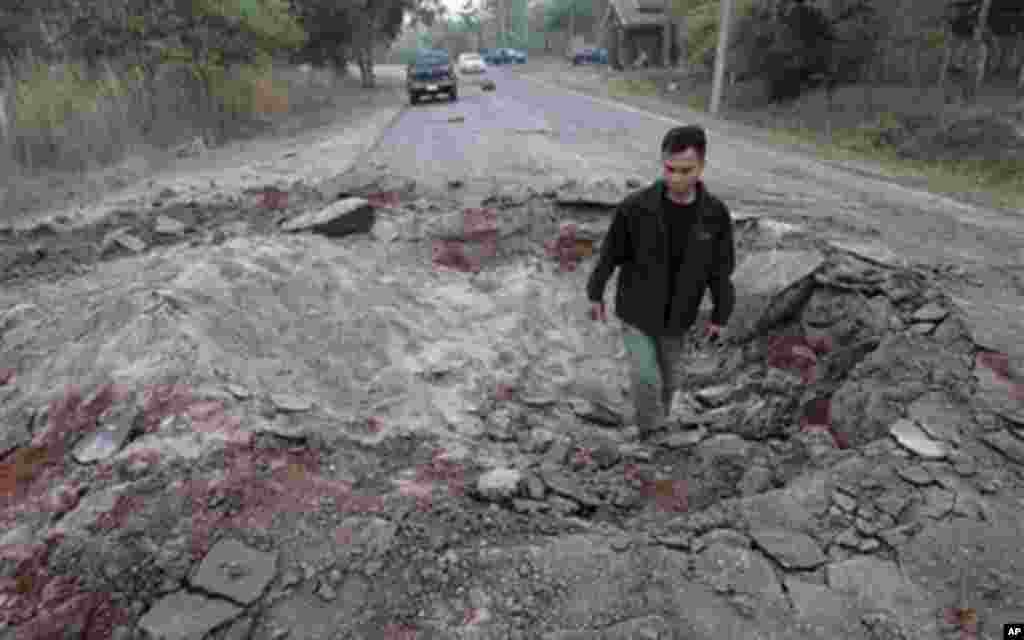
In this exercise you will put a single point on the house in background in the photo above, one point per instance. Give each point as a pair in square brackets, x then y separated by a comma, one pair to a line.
[630, 27]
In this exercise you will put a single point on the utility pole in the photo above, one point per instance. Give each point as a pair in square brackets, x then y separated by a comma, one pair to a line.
[720, 55]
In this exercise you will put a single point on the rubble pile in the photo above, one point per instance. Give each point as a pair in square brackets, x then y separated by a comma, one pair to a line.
[366, 413]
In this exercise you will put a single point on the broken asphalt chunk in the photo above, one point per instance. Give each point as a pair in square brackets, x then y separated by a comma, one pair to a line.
[235, 571]
[1007, 444]
[184, 616]
[604, 192]
[793, 550]
[596, 412]
[167, 225]
[344, 217]
[499, 484]
[770, 287]
[913, 438]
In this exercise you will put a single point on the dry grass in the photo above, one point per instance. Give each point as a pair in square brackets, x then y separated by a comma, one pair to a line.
[63, 121]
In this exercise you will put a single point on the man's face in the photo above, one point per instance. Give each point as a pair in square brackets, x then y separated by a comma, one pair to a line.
[682, 171]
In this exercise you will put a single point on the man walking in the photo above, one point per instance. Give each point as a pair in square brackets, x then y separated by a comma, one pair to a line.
[671, 241]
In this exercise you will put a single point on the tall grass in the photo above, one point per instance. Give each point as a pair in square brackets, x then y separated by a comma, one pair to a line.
[58, 122]
[69, 117]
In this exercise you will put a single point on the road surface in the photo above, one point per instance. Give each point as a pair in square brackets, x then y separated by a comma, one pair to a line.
[536, 133]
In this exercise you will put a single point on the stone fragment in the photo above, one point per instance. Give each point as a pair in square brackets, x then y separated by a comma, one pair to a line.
[939, 416]
[1007, 444]
[114, 428]
[776, 509]
[938, 502]
[167, 225]
[879, 584]
[896, 537]
[556, 455]
[185, 616]
[499, 484]
[235, 571]
[871, 251]
[911, 436]
[596, 412]
[603, 192]
[684, 438]
[844, 502]
[606, 455]
[915, 475]
[346, 216]
[770, 287]
[756, 480]
[291, 403]
[867, 545]
[124, 239]
[931, 312]
[566, 486]
[848, 538]
[384, 231]
[816, 604]
[793, 550]
[730, 569]
[716, 396]
[534, 486]
[725, 445]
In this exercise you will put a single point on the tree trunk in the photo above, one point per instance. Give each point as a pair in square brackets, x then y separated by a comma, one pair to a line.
[981, 48]
[947, 58]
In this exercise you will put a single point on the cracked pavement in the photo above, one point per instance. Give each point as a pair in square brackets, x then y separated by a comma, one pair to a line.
[372, 405]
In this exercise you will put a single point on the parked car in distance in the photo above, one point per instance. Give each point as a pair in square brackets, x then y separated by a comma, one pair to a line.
[431, 73]
[590, 55]
[505, 56]
[472, 63]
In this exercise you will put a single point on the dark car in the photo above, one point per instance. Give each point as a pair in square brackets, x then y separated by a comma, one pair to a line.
[504, 56]
[431, 73]
[590, 55]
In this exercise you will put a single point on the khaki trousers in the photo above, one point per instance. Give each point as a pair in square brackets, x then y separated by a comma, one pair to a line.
[656, 373]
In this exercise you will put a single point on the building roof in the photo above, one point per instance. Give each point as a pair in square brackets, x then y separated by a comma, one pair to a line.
[639, 13]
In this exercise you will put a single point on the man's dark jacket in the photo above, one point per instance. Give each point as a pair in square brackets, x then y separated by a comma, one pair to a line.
[637, 243]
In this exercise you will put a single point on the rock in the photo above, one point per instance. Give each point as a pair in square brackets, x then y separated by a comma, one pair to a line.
[932, 312]
[756, 480]
[1007, 444]
[326, 592]
[534, 486]
[604, 192]
[916, 475]
[240, 629]
[844, 502]
[911, 436]
[556, 455]
[716, 396]
[499, 484]
[346, 216]
[816, 604]
[685, 438]
[184, 616]
[636, 182]
[872, 252]
[770, 287]
[169, 226]
[793, 550]
[121, 238]
[724, 445]
[776, 509]
[596, 412]
[114, 428]
[730, 569]
[235, 571]
[940, 416]
[938, 502]
[291, 403]
[606, 456]
[879, 584]
[385, 231]
[566, 486]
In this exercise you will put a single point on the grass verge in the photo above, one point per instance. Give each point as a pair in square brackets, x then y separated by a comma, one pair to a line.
[622, 87]
[1000, 181]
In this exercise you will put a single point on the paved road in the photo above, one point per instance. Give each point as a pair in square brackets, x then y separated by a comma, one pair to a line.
[536, 133]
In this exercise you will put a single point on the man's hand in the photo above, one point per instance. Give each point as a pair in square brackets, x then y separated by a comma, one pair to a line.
[597, 312]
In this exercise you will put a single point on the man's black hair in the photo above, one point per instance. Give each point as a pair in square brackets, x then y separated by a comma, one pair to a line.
[680, 139]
